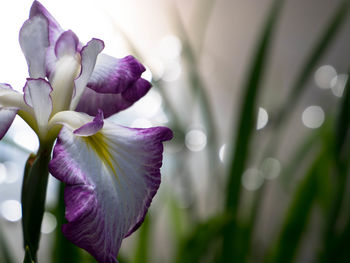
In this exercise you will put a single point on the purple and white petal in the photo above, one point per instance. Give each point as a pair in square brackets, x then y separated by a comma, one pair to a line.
[81, 124]
[92, 127]
[10, 102]
[6, 118]
[89, 55]
[66, 68]
[91, 101]
[37, 95]
[111, 178]
[55, 29]
[112, 75]
[34, 40]
[67, 44]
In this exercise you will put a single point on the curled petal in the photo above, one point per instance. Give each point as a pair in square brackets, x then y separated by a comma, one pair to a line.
[112, 75]
[81, 124]
[89, 55]
[92, 127]
[6, 118]
[110, 104]
[11, 99]
[10, 102]
[34, 39]
[111, 178]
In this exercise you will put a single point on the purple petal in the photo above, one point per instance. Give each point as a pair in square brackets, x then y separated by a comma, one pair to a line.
[6, 118]
[55, 29]
[111, 179]
[110, 104]
[112, 75]
[92, 127]
[34, 40]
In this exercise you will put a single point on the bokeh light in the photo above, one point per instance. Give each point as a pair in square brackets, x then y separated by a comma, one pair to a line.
[222, 153]
[195, 140]
[11, 210]
[324, 75]
[252, 179]
[262, 119]
[338, 84]
[170, 47]
[313, 117]
[270, 168]
[49, 223]
[172, 71]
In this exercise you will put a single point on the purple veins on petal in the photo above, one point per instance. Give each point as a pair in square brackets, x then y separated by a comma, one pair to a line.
[112, 75]
[104, 205]
[91, 101]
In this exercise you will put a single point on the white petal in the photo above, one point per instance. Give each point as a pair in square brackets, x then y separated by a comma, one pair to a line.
[71, 119]
[37, 95]
[88, 60]
[10, 98]
[34, 39]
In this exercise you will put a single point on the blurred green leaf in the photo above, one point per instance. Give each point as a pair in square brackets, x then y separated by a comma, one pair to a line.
[304, 149]
[342, 128]
[142, 246]
[246, 124]
[27, 256]
[285, 248]
[341, 168]
[179, 220]
[199, 92]
[326, 38]
[339, 249]
[198, 245]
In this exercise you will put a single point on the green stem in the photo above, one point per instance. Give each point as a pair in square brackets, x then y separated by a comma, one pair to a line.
[244, 130]
[33, 196]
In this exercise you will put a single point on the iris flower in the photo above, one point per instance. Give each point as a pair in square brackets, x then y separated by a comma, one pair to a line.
[111, 172]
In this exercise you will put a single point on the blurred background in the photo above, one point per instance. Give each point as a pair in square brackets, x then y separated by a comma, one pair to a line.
[256, 94]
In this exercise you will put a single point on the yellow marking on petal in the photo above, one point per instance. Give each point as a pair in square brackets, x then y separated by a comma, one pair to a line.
[98, 144]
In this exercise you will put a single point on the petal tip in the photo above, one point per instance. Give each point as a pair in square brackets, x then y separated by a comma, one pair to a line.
[92, 127]
[68, 42]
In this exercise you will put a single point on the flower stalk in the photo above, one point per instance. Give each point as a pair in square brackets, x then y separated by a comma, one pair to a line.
[33, 196]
